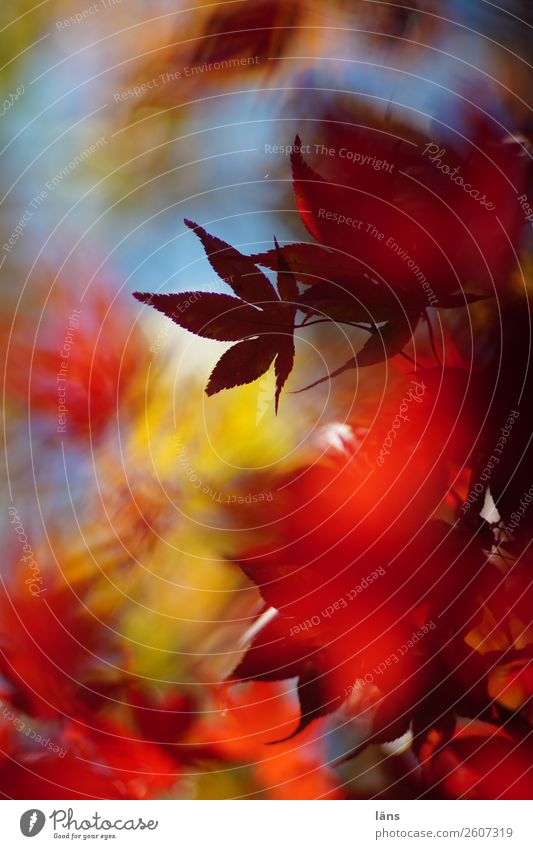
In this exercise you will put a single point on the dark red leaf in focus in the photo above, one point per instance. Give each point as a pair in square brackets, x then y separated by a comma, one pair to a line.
[243, 363]
[284, 364]
[260, 319]
[214, 316]
[340, 290]
[333, 301]
[308, 261]
[388, 340]
[287, 286]
[236, 269]
[288, 290]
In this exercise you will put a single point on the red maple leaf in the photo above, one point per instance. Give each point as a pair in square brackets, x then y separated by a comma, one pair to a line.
[358, 559]
[417, 214]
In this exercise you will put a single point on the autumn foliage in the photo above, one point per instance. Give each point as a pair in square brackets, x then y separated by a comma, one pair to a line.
[268, 402]
[379, 580]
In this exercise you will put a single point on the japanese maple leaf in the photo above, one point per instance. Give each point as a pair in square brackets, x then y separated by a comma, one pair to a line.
[259, 318]
[336, 522]
[343, 289]
[403, 222]
[334, 640]
[420, 217]
[329, 636]
[504, 371]
[479, 762]
[384, 273]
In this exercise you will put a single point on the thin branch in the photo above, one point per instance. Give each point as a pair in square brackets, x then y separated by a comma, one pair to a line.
[367, 327]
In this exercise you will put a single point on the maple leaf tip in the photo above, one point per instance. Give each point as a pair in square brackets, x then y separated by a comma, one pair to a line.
[143, 297]
[211, 389]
